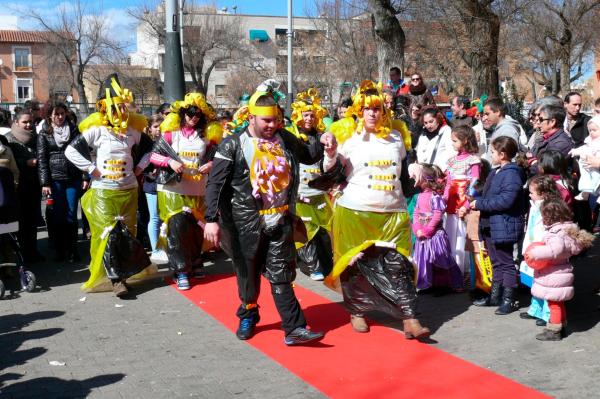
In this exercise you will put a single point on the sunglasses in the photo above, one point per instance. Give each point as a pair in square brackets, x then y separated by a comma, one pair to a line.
[540, 119]
[415, 79]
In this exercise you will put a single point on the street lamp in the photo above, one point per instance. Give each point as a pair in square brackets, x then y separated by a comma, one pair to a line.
[290, 35]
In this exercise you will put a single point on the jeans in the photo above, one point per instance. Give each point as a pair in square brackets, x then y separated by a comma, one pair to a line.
[154, 222]
[66, 195]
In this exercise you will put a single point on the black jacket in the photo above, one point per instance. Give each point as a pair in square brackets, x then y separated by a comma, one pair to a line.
[52, 162]
[28, 175]
[229, 191]
[579, 131]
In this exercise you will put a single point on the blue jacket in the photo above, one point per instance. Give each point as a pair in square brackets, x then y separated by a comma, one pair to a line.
[503, 204]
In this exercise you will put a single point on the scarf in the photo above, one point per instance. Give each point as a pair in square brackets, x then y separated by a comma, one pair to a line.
[61, 134]
[26, 137]
[417, 90]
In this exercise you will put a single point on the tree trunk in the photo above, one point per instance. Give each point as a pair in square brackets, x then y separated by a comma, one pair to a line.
[483, 24]
[565, 74]
[390, 37]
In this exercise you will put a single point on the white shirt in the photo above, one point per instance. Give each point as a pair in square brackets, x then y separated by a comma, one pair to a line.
[373, 168]
[113, 158]
[445, 151]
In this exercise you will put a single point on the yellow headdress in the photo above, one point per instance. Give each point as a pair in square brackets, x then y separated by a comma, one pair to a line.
[268, 87]
[309, 101]
[172, 122]
[368, 95]
[109, 114]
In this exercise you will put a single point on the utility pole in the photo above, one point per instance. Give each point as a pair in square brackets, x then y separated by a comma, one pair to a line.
[173, 63]
[290, 59]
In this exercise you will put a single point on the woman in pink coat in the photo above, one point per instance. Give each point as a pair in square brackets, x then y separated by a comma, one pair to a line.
[553, 273]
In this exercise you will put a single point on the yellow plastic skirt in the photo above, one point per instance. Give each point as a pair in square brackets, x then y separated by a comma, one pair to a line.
[170, 204]
[103, 208]
[355, 231]
[315, 215]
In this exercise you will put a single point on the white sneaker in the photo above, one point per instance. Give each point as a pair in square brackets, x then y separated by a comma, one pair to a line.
[159, 257]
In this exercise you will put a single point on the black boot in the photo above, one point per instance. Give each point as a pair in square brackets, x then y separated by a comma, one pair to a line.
[493, 299]
[509, 304]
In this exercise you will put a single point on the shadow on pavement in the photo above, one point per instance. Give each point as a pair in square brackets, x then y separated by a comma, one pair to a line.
[583, 311]
[47, 387]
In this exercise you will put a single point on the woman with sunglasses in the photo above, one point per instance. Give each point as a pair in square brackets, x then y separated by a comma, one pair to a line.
[418, 91]
[184, 153]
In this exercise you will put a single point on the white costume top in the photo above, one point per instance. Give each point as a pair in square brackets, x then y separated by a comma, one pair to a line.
[113, 157]
[191, 151]
[425, 148]
[373, 167]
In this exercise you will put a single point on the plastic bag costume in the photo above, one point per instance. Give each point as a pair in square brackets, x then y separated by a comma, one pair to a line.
[314, 206]
[181, 196]
[111, 203]
[251, 192]
[370, 218]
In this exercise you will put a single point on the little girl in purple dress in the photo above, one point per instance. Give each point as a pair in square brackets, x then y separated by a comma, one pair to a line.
[432, 254]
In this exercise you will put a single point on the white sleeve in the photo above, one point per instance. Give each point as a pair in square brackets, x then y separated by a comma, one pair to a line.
[92, 137]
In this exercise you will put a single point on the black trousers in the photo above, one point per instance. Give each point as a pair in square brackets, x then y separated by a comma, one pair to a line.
[273, 256]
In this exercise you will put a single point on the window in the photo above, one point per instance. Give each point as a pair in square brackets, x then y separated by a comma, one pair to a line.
[220, 90]
[22, 58]
[24, 90]
[281, 37]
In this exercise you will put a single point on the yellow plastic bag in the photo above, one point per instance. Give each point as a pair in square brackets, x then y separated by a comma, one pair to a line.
[315, 215]
[170, 204]
[355, 231]
[103, 208]
[483, 272]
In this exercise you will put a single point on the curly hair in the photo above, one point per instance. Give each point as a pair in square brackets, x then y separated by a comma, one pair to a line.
[555, 210]
[545, 186]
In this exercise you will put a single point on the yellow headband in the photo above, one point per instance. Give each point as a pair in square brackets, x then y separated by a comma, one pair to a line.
[262, 110]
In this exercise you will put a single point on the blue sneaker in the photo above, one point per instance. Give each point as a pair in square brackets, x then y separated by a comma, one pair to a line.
[183, 283]
[317, 276]
[246, 329]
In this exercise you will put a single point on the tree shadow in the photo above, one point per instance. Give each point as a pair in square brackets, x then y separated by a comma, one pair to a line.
[45, 387]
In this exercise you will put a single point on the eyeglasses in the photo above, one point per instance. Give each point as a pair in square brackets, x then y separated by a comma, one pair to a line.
[415, 79]
[540, 119]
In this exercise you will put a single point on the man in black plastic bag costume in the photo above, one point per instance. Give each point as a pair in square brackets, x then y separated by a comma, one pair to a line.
[252, 188]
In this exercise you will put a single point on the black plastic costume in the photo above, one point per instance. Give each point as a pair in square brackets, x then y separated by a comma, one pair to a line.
[254, 248]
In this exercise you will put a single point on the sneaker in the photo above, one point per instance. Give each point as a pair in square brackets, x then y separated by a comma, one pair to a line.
[246, 328]
[527, 316]
[317, 276]
[183, 283]
[159, 257]
[540, 323]
[302, 336]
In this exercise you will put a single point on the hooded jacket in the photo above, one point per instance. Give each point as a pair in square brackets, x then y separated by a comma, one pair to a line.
[554, 281]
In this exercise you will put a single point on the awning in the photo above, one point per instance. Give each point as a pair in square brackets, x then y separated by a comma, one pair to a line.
[259, 35]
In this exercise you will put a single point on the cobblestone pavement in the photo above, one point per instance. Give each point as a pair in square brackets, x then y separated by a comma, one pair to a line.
[159, 345]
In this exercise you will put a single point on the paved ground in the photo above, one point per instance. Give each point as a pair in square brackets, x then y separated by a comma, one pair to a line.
[159, 345]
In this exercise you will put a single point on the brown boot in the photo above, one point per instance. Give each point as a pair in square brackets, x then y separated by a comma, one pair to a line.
[120, 289]
[414, 329]
[359, 324]
[552, 332]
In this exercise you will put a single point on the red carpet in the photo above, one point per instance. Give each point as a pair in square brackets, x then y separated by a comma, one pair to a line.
[380, 364]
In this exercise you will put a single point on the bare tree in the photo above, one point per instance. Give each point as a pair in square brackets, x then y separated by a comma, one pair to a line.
[559, 37]
[80, 37]
[209, 39]
[390, 36]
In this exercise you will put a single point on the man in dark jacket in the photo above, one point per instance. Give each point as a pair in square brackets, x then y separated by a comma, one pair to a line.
[459, 107]
[576, 122]
[251, 191]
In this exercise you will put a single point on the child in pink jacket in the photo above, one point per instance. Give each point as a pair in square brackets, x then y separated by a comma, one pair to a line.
[553, 273]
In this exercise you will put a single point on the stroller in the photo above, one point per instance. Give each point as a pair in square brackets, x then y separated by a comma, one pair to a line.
[13, 275]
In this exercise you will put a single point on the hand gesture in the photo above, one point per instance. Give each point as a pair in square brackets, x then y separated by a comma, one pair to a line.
[176, 166]
[329, 143]
[212, 233]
